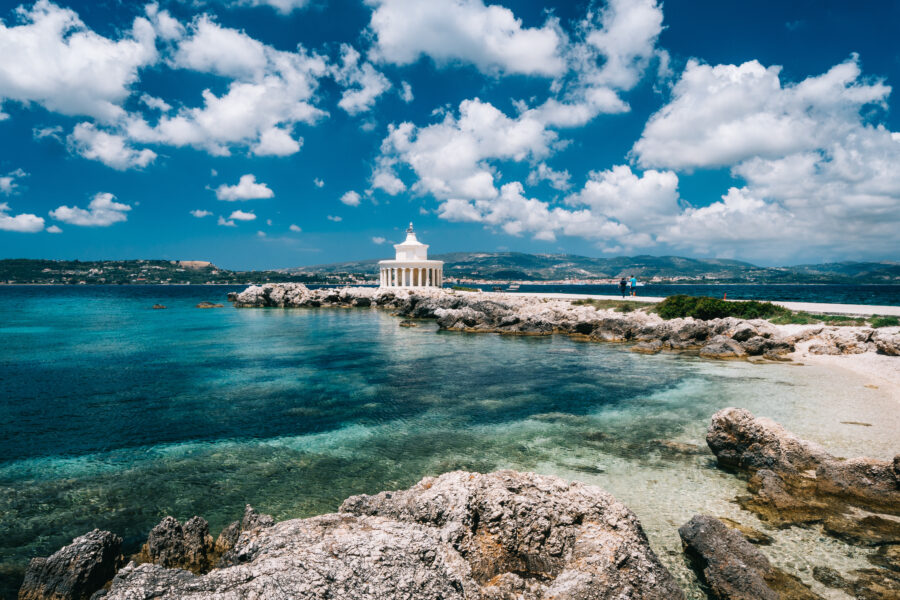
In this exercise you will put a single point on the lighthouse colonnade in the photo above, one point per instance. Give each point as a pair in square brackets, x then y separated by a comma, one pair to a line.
[412, 276]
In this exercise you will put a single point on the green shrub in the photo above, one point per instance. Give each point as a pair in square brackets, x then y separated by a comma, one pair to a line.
[703, 308]
[462, 288]
[884, 322]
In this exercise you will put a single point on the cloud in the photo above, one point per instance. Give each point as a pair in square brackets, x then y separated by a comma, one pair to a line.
[515, 214]
[295, 228]
[111, 149]
[350, 198]
[54, 229]
[246, 189]
[463, 31]
[452, 158]
[378, 240]
[103, 211]
[318, 182]
[261, 234]
[240, 215]
[640, 202]
[155, 103]
[281, 6]
[335, 218]
[270, 92]
[720, 115]
[22, 223]
[558, 180]
[361, 82]
[54, 132]
[225, 222]
[406, 93]
[51, 58]
[9, 183]
[201, 213]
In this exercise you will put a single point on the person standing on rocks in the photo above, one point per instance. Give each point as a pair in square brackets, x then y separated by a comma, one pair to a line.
[623, 285]
[633, 285]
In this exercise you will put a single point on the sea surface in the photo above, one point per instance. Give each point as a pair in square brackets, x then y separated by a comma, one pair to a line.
[875, 294]
[115, 415]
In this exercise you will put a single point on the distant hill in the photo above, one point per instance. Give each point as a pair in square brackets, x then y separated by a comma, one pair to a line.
[496, 266]
[519, 266]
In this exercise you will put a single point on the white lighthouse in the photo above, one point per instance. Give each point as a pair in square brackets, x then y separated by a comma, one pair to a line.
[411, 267]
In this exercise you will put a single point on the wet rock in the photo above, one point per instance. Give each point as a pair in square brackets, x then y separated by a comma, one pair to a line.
[887, 556]
[172, 545]
[754, 536]
[461, 535]
[722, 347]
[158, 307]
[741, 441]
[209, 305]
[782, 504]
[871, 530]
[75, 571]
[732, 567]
[651, 347]
[408, 323]
[869, 584]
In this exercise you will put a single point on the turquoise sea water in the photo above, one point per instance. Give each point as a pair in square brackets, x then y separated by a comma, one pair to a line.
[115, 415]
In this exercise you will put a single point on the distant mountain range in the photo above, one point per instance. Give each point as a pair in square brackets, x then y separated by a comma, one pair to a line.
[486, 266]
[549, 267]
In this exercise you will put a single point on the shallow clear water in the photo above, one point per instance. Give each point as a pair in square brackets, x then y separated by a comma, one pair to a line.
[116, 415]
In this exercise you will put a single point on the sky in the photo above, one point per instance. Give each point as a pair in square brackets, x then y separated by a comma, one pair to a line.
[278, 133]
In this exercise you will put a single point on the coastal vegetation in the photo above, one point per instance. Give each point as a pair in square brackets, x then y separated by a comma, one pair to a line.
[878, 322]
[699, 307]
[622, 306]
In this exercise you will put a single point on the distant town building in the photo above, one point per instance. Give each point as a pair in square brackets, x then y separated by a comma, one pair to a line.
[411, 267]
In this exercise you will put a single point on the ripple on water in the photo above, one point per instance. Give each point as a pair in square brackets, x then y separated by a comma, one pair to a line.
[293, 411]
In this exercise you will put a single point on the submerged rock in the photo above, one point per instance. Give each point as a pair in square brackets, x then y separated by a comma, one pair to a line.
[732, 567]
[461, 535]
[76, 571]
[794, 481]
[209, 305]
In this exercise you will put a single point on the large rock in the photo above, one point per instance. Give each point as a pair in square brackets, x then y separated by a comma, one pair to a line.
[461, 535]
[187, 547]
[732, 567]
[796, 482]
[76, 571]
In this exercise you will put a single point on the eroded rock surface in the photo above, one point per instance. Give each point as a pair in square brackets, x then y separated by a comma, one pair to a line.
[461, 535]
[76, 571]
[727, 338]
[731, 567]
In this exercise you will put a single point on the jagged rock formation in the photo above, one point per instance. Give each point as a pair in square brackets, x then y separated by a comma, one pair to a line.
[727, 338]
[796, 482]
[732, 568]
[76, 571]
[461, 535]
[172, 545]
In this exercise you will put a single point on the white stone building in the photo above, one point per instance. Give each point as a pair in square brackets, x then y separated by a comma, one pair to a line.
[411, 267]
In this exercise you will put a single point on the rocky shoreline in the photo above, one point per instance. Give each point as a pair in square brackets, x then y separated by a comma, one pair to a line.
[727, 338]
[509, 535]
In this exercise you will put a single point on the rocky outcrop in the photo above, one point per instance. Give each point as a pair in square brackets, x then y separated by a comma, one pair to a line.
[461, 535]
[731, 567]
[796, 482]
[75, 571]
[727, 338]
[172, 545]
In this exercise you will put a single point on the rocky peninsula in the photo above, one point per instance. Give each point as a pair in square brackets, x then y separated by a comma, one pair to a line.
[725, 338]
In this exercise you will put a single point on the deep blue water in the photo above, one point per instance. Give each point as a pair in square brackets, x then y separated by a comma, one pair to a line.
[882, 295]
[115, 414]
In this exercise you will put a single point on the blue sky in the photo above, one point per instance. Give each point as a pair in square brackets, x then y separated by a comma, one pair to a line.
[277, 133]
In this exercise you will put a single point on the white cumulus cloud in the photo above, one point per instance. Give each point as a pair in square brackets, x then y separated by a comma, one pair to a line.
[9, 183]
[103, 211]
[240, 215]
[362, 83]
[295, 228]
[378, 240]
[247, 188]
[111, 149]
[463, 31]
[350, 198]
[200, 213]
[52, 58]
[22, 223]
